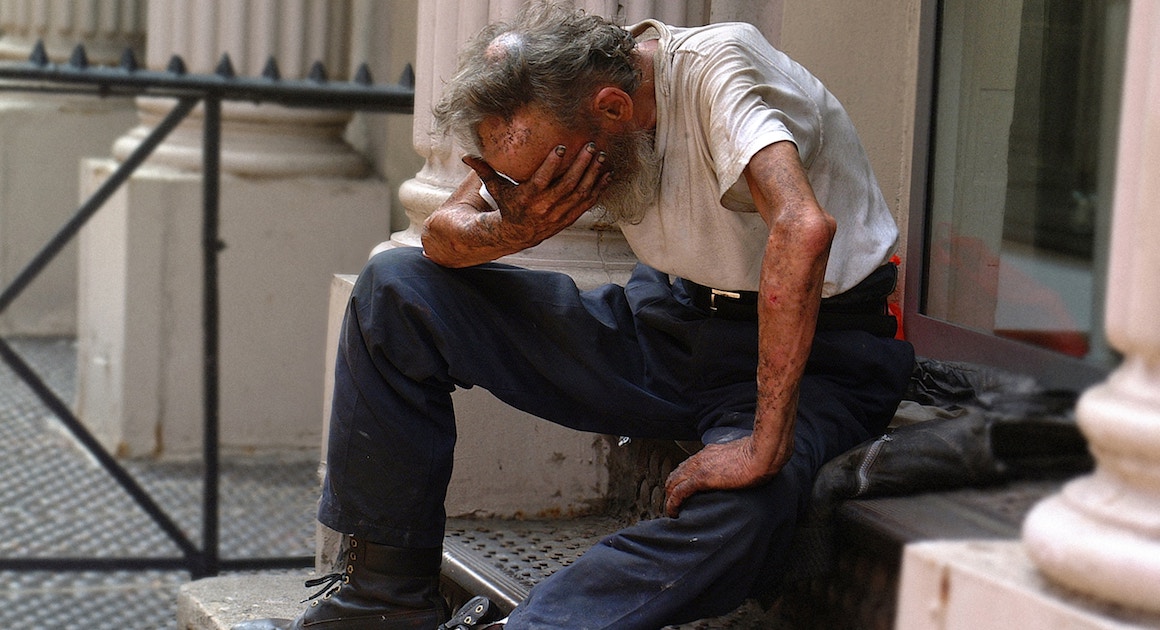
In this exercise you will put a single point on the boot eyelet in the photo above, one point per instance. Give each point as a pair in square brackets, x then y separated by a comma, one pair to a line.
[349, 570]
[353, 542]
[346, 579]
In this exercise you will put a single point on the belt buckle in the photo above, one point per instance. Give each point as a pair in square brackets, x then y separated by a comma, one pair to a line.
[715, 293]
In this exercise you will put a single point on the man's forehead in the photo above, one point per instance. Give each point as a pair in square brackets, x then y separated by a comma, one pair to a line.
[500, 134]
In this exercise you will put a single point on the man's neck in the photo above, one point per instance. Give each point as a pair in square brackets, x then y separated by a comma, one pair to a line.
[644, 100]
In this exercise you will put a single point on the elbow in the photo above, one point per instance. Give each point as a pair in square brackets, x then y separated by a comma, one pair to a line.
[824, 227]
[811, 230]
[434, 247]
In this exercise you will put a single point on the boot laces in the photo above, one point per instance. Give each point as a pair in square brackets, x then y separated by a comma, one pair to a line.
[330, 583]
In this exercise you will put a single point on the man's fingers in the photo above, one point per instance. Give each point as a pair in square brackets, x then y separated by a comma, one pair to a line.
[592, 180]
[680, 485]
[546, 171]
[673, 500]
[579, 176]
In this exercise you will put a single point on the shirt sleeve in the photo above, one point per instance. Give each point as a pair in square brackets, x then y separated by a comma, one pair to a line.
[751, 96]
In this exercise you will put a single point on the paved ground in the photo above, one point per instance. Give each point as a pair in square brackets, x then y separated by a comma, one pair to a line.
[55, 500]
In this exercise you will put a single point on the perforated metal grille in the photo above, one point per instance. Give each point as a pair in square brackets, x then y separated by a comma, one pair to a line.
[56, 501]
[529, 551]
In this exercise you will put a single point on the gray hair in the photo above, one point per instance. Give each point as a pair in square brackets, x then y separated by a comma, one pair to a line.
[550, 55]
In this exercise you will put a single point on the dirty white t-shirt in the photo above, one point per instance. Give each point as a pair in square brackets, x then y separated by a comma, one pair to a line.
[724, 93]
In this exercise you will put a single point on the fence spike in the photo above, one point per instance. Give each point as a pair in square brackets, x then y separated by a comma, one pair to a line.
[362, 76]
[225, 67]
[271, 70]
[39, 55]
[79, 58]
[129, 60]
[318, 72]
[176, 65]
[407, 79]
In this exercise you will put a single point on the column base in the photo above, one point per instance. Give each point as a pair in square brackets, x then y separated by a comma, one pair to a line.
[140, 337]
[1101, 533]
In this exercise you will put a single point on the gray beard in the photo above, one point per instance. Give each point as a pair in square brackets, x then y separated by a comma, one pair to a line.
[636, 178]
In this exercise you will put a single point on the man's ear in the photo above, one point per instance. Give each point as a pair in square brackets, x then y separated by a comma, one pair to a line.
[612, 104]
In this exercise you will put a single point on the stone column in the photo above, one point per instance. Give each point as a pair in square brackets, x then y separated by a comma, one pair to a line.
[105, 28]
[45, 136]
[296, 207]
[1101, 535]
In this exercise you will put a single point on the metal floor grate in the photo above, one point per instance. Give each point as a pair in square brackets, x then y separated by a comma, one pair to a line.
[56, 501]
[504, 559]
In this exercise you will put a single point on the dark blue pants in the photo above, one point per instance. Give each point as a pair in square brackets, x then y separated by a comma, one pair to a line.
[638, 361]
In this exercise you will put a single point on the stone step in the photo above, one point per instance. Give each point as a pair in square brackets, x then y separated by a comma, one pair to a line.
[496, 558]
[503, 559]
[219, 603]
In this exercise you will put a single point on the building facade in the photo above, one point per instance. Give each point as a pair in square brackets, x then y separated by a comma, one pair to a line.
[1016, 141]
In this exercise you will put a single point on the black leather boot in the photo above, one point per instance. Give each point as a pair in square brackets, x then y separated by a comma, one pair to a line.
[379, 588]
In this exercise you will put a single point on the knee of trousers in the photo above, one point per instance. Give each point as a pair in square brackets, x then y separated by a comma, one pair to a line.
[395, 263]
[747, 521]
[399, 274]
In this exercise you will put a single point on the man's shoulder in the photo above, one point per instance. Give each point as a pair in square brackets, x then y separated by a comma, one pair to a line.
[721, 33]
[683, 36]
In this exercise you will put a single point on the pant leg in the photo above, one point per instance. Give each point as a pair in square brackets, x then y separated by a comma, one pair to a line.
[726, 546]
[414, 331]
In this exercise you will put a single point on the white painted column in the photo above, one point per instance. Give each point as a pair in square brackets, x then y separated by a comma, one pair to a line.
[44, 139]
[258, 140]
[296, 207]
[105, 28]
[1101, 534]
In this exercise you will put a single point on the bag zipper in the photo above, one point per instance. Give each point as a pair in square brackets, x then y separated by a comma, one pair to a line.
[868, 461]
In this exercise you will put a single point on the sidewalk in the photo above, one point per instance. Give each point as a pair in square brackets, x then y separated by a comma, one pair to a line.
[55, 500]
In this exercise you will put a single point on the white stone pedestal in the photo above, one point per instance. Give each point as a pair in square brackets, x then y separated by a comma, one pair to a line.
[44, 140]
[981, 585]
[140, 336]
[44, 137]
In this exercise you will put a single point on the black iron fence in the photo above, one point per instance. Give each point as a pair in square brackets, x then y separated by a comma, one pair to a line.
[77, 76]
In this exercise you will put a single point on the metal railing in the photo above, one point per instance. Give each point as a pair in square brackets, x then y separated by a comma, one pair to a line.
[77, 76]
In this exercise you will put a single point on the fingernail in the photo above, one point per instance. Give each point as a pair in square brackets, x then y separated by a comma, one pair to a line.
[600, 158]
[591, 146]
[561, 150]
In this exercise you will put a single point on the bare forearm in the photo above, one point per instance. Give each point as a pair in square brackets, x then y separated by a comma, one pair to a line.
[790, 292]
[462, 236]
[792, 272]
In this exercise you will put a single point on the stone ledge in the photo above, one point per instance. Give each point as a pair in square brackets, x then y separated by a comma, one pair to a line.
[994, 585]
[220, 602]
